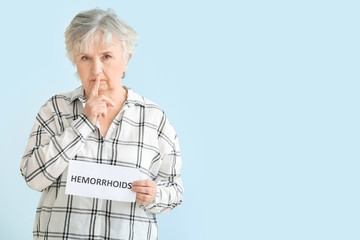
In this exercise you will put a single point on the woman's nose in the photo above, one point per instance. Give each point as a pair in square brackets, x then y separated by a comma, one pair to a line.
[96, 67]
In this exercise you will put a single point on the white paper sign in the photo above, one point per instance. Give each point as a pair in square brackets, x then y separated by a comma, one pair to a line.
[101, 181]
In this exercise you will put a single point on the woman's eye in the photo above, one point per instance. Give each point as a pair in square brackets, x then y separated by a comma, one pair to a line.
[107, 57]
[85, 58]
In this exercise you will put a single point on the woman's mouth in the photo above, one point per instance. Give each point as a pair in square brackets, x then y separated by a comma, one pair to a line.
[101, 80]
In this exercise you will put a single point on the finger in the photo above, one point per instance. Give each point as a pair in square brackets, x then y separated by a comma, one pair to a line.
[99, 111]
[144, 190]
[144, 183]
[140, 201]
[95, 89]
[144, 199]
[108, 100]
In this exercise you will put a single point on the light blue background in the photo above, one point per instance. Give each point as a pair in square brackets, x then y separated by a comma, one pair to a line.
[264, 96]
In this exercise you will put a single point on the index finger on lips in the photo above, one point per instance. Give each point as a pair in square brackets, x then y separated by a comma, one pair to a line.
[95, 89]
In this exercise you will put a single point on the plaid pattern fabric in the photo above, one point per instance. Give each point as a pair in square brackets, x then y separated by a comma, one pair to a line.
[140, 137]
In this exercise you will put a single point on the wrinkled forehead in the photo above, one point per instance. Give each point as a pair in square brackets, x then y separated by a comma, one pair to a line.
[97, 41]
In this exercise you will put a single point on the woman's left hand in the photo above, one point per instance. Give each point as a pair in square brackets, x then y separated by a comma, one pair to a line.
[145, 191]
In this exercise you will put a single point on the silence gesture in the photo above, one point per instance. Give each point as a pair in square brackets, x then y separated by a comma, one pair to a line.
[96, 105]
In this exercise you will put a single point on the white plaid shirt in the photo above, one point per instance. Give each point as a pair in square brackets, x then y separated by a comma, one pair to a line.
[139, 137]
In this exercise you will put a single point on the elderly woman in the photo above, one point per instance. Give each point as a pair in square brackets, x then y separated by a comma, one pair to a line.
[101, 122]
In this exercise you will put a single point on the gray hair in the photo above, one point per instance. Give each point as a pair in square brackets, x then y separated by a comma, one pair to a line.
[95, 25]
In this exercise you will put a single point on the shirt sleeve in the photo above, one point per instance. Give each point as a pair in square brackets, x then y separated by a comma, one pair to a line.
[169, 185]
[49, 148]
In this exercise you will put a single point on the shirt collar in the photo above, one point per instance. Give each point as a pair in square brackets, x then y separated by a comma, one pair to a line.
[132, 97]
[78, 93]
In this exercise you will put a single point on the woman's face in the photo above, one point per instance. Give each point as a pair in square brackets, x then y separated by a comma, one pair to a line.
[106, 63]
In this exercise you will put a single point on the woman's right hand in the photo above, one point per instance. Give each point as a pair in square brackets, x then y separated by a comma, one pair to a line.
[97, 105]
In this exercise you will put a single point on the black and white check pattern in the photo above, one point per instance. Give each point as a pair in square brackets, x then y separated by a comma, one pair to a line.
[140, 137]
